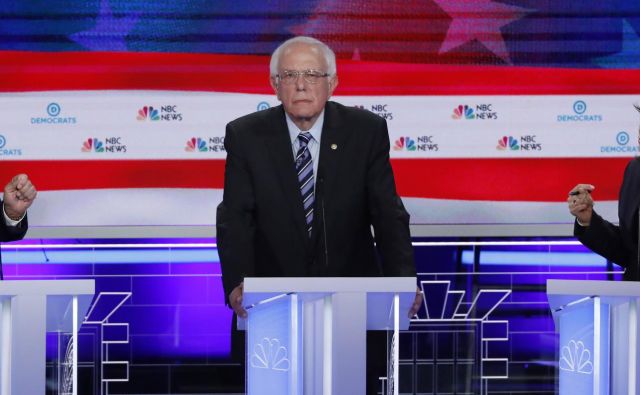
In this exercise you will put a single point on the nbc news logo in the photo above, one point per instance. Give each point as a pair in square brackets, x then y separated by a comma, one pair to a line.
[482, 112]
[196, 144]
[421, 143]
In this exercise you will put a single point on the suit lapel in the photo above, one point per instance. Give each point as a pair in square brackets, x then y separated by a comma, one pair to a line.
[279, 146]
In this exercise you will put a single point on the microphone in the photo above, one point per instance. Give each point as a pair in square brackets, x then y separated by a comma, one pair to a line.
[324, 222]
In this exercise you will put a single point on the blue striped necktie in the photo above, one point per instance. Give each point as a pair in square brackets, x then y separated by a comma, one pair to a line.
[304, 168]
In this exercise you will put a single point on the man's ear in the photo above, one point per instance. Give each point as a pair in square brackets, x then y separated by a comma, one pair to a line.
[333, 83]
[274, 84]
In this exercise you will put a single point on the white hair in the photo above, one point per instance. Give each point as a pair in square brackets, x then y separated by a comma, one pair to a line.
[327, 53]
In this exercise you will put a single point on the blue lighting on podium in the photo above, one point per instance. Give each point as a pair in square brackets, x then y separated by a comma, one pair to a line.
[273, 342]
[584, 349]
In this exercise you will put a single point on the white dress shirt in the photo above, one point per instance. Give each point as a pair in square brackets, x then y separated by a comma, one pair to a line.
[8, 220]
[314, 141]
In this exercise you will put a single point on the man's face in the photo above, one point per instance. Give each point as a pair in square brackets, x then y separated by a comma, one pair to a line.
[303, 101]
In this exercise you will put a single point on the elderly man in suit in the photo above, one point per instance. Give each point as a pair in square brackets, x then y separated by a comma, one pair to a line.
[306, 181]
[19, 193]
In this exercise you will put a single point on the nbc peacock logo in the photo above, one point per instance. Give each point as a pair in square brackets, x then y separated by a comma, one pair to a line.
[576, 358]
[92, 144]
[196, 144]
[463, 111]
[270, 354]
[508, 143]
[405, 143]
[148, 112]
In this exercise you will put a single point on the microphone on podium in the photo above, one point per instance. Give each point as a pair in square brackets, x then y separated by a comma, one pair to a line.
[320, 194]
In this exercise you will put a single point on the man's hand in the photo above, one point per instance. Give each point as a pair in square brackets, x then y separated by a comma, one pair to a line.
[581, 204]
[19, 193]
[417, 302]
[235, 301]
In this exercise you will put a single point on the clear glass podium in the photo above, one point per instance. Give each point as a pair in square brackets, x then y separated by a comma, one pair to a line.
[28, 310]
[308, 335]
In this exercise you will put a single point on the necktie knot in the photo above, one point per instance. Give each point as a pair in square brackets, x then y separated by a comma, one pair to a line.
[304, 138]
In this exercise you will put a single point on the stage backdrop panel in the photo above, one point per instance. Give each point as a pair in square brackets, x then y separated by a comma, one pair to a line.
[494, 110]
[126, 158]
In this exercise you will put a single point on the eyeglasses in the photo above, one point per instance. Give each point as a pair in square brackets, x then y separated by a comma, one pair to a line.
[310, 76]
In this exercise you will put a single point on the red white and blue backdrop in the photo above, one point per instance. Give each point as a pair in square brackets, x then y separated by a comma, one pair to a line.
[495, 109]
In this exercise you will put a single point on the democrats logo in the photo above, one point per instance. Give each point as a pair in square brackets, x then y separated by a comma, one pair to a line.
[113, 145]
[580, 114]
[622, 145]
[198, 144]
[263, 105]
[166, 113]
[418, 144]
[479, 112]
[622, 138]
[6, 151]
[54, 111]
[527, 142]
[579, 107]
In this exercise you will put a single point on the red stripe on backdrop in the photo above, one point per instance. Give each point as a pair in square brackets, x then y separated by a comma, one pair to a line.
[542, 180]
[532, 179]
[41, 71]
[100, 174]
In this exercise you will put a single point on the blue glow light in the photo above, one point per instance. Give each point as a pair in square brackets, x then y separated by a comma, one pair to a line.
[143, 255]
[532, 258]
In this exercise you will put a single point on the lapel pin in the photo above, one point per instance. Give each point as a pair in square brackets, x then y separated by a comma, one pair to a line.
[334, 146]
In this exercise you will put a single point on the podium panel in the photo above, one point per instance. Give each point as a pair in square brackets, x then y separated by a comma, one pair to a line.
[30, 309]
[273, 344]
[598, 326]
[308, 335]
[584, 348]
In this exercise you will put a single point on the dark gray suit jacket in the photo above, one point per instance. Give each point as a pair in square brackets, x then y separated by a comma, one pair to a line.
[618, 244]
[261, 229]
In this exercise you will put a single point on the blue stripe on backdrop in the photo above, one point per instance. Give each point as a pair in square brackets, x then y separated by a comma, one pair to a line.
[529, 258]
[111, 257]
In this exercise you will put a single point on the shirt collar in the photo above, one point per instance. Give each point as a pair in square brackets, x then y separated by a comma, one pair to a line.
[316, 129]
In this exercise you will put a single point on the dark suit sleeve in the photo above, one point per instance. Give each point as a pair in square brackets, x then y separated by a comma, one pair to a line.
[603, 238]
[607, 239]
[12, 233]
[235, 223]
[389, 218]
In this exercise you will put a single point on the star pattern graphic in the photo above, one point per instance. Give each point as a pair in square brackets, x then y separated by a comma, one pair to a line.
[629, 55]
[479, 20]
[409, 30]
[109, 32]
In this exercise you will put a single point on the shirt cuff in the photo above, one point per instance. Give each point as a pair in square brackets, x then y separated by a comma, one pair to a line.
[9, 221]
[581, 224]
